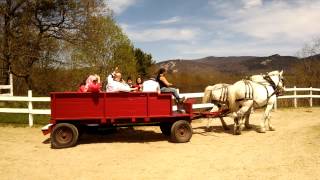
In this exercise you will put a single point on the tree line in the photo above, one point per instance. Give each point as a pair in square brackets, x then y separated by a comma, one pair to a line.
[52, 45]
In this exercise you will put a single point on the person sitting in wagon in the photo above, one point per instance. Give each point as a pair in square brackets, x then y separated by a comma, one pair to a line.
[151, 85]
[139, 84]
[115, 83]
[165, 86]
[92, 84]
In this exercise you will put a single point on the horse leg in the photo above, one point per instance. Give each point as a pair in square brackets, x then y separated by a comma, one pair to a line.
[236, 127]
[224, 125]
[241, 123]
[266, 114]
[246, 106]
[271, 128]
[208, 124]
[247, 116]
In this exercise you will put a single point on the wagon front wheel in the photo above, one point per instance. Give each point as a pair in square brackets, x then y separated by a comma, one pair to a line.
[181, 131]
[64, 135]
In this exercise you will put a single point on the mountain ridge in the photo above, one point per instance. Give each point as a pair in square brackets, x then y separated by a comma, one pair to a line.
[235, 64]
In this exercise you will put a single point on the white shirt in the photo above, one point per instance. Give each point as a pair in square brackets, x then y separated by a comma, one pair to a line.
[115, 86]
[150, 86]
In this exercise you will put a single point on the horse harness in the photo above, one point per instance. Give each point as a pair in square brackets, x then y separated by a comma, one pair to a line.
[276, 89]
[224, 94]
[248, 94]
[249, 90]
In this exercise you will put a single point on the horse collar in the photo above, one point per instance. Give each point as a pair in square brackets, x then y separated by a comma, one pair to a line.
[273, 85]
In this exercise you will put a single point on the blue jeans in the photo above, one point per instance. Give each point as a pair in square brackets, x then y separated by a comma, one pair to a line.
[172, 90]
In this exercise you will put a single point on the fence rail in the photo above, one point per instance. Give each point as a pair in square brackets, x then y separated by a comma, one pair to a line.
[295, 96]
[9, 87]
[29, 99]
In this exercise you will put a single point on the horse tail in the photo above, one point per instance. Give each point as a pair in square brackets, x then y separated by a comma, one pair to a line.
[207, 95]
[232, 99]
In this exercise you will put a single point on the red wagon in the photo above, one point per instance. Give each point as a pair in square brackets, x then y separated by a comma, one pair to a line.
[72, 112]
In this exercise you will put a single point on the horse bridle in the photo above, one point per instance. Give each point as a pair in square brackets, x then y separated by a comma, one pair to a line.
[276, 88]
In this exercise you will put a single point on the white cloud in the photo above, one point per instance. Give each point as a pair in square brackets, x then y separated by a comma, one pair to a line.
[159, 34]
[231, 28]
[279, 21]
[234, 49]
[118, 6]
[172, 20]
[251, 3]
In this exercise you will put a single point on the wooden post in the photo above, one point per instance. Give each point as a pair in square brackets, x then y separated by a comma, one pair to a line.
[295, 98]
[11, 84]
[310, 100]
[30, 108]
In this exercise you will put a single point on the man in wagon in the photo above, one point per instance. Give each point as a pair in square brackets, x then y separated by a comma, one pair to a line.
[115, 84]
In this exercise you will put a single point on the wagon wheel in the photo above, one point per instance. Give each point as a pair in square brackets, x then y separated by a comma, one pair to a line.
[166, 128]
[181, 131]
[64, 135]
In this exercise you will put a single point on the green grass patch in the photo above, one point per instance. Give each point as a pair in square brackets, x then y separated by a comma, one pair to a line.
[11, 118]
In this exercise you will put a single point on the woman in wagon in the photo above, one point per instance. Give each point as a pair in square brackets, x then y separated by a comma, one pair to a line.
[139, 84]
[166, 86]
[115, 83]
[92, 84]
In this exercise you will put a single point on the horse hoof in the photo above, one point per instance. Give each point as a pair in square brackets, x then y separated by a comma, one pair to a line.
[208, 129]
[272, 129]
[261, 130]
[236, 132]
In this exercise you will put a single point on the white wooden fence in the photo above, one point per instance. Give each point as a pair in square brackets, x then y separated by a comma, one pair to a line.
[29, 99]
[296, 96]
[9, 87]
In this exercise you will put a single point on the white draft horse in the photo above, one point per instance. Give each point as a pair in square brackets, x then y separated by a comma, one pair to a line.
[258, 92]
[217, 94]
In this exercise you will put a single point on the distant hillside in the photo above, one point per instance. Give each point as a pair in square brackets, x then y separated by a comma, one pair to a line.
[194, 75]
[233, 64]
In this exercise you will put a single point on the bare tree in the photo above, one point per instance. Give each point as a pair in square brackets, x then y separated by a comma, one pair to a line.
[307, 71]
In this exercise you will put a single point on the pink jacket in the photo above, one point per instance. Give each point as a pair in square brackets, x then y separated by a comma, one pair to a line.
[92, 86]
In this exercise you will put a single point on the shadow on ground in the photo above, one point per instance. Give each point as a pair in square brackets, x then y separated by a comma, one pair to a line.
[204, 130]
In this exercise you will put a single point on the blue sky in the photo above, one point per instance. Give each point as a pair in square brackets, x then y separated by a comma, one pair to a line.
[189, 29]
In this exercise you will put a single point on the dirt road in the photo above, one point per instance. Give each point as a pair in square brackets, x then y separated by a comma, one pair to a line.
[290, 152]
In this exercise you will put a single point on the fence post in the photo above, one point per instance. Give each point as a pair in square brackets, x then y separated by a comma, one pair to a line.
[11, 84]
[30, 108]
[310, 97]
[295, 98]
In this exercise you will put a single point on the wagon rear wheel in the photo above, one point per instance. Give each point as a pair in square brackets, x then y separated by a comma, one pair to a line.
[64, 135]
[166, 128]
[181, 131]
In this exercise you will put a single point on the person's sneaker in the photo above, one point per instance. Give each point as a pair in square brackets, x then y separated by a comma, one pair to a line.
[181, 100]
